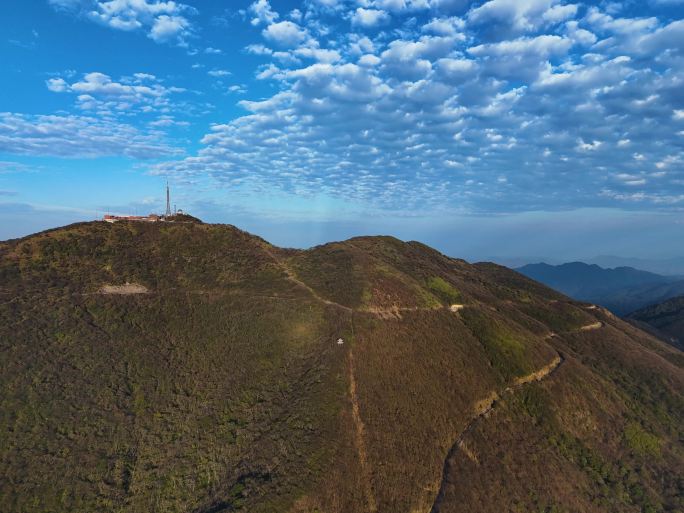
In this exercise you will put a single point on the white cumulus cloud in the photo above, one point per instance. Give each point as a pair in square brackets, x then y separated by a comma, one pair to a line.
[285, 33]
[370, 17]
[494, 106]
[164, 21]
[77, 136]
[98, 92]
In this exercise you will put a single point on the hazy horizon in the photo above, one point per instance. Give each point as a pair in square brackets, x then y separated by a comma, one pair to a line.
[457, 238]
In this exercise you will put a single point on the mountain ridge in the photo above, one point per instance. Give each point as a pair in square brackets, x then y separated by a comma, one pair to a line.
[673, 267]
[223, 386]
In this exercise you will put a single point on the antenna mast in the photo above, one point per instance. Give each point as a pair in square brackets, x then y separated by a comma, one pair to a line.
[168, 200]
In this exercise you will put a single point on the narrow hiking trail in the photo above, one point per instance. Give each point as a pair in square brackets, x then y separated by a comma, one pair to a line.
[390, 312]
[292, 276]
[359, 426]
[591, 327]
[482, 410]
[360, 438]
[484, 407]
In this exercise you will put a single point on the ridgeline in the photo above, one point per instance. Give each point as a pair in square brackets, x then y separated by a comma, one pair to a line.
[195, 368]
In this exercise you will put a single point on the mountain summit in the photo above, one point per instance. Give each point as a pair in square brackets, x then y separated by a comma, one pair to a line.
[186, 367]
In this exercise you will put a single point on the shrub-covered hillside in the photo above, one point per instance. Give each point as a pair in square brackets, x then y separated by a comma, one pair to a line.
[196, 368]
[666, 318]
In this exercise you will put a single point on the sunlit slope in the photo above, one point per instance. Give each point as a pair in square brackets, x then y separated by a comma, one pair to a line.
[196, 368]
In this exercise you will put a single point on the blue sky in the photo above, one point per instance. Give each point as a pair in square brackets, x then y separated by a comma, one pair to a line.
[497, 128]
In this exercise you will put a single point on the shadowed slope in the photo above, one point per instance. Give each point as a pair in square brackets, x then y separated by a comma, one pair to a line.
[666, 318]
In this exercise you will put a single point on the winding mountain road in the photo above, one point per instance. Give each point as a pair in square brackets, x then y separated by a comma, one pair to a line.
[484, 407]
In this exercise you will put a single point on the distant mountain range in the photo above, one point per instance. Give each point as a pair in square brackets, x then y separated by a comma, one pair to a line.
[666, 267]
[621, 290]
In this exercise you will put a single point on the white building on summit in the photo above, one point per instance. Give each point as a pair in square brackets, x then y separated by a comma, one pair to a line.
[152, 218]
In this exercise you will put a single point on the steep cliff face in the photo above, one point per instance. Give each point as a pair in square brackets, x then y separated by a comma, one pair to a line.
[197, 368]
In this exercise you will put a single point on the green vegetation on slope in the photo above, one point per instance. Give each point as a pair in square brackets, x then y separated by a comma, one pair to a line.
[444, 290]
[219, 384]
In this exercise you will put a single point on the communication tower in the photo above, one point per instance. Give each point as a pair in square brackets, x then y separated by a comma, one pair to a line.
[168, 200]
